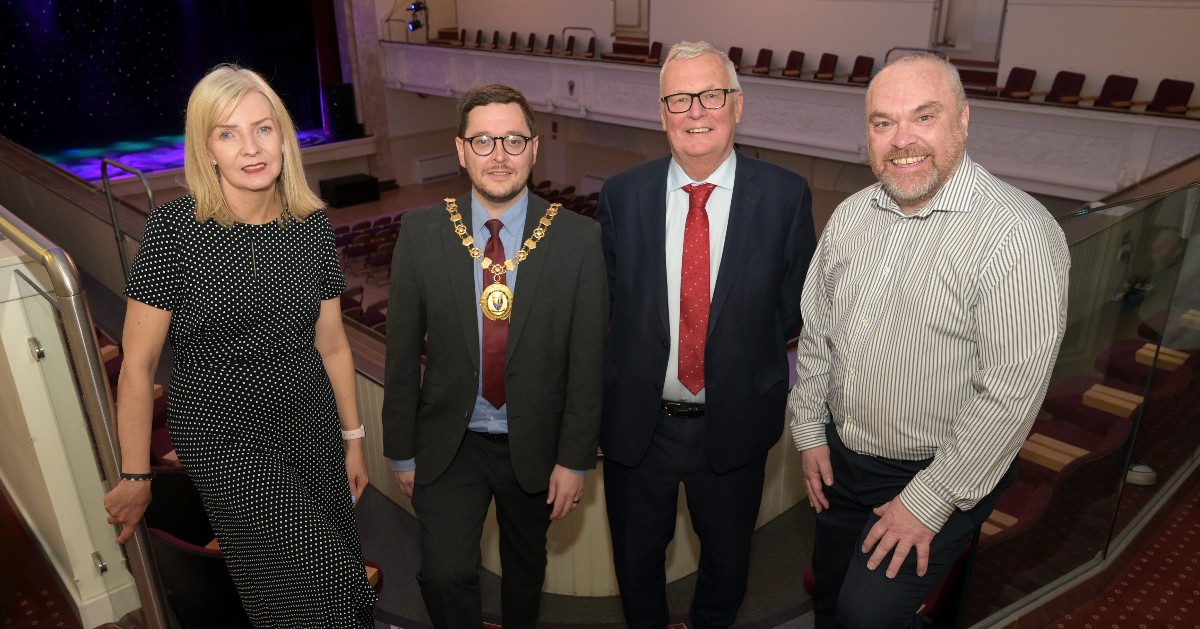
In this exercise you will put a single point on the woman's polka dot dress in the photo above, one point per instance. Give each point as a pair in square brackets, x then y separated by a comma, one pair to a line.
[251, 410]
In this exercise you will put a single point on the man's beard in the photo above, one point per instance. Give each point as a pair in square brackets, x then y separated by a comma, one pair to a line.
[901, 189]
[503, 196]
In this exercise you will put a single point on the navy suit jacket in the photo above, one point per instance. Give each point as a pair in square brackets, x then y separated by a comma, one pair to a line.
[755, 310]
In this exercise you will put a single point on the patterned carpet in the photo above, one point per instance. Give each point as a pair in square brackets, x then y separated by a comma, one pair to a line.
[1160, 586]
[31, 595]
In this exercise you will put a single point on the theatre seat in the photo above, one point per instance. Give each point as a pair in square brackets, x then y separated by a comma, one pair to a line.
[1065, 89]
[1172, 97]
[197, 583]
[1130, 361]
[794, 65]
[762, 64]
[655, 56]
[735, 56]
[1018, 86]
[860, 73]
[827, 68]
[1116, 93]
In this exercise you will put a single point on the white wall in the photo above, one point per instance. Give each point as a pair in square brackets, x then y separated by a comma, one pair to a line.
[844, 27]
[539, 16]
[863, 27]
[1147, 39]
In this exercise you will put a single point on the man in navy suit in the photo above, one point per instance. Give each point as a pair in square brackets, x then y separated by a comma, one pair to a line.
[706, 252]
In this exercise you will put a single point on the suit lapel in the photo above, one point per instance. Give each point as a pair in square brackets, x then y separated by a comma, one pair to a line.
[462, 279]
[743, 220]
[652, 209]
[530, 272]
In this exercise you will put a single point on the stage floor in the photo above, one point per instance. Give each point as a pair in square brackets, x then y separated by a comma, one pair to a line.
[152, 155]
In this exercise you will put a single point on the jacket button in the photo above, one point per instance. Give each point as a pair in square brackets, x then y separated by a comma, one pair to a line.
[666, 345]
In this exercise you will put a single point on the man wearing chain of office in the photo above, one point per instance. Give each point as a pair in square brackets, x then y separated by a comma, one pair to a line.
[507, 402]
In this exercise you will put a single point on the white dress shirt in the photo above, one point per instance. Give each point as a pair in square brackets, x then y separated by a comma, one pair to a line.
[718, 223]
[933, 335]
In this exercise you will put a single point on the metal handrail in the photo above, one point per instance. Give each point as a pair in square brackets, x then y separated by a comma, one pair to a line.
[93, 388]
[112, 207]
[576, 28]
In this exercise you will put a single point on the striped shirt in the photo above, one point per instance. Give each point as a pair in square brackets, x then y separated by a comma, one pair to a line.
[932, 335]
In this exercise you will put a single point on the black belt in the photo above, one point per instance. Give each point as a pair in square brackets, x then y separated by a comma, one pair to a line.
[499, 437]
[682, 409]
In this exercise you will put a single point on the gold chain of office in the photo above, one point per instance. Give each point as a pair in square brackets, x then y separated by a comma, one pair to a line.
[497, 300]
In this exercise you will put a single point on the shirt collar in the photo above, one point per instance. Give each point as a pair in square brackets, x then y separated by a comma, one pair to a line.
[723, 176]
[951, 198]
[513, 218]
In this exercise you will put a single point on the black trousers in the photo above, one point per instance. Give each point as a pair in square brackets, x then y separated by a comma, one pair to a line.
[451, 511]
[848, 595]
[641, 516]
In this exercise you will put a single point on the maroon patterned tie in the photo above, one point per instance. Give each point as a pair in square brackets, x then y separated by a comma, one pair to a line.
[693, 289]
[495, 333]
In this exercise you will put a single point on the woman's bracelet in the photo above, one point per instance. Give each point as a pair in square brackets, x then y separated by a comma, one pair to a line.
[137, 477]
[357, 433]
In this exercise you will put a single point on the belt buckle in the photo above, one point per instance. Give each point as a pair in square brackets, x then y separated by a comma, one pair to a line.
[684, 410]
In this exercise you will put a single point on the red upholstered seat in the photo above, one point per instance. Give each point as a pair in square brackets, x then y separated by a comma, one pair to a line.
[1018, 85]
[1066, 88]
[1172, 97]
[827, 68]
[1116, 93]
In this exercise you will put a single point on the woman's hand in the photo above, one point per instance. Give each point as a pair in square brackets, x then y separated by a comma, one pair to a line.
[356, 468]
[126, 504]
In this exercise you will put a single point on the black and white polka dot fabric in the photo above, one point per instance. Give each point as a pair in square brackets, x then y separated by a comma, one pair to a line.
[251, 410]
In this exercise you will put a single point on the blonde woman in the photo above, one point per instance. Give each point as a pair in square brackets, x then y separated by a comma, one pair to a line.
[242, 277]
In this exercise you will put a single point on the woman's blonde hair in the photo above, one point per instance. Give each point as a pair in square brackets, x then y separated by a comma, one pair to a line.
[213, 98]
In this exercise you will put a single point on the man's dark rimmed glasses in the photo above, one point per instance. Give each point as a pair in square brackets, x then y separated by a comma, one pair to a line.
[484, 144]
[681, 103]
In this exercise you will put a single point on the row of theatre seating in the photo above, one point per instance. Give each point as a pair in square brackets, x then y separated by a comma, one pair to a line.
[511, 44]
[1171, 97]
[651, 53]
[584, 204]
[1077, 453]
[368, 244]
[793, 68]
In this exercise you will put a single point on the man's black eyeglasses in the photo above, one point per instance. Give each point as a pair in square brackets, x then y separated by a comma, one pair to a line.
[484, 144]
[681, 103]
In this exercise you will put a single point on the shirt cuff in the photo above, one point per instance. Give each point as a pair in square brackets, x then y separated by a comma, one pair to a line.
[926, 504]
[808, 435]
[579, 472]
[406, 465]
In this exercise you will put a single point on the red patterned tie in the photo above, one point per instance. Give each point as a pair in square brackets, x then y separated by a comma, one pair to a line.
[693, 289]
[495, 333]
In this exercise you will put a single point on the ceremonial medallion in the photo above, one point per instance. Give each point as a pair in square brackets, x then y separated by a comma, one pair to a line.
[497, 299]
[496, 302]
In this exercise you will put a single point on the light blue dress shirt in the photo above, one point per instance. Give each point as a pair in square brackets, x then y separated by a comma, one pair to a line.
[486, 418]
